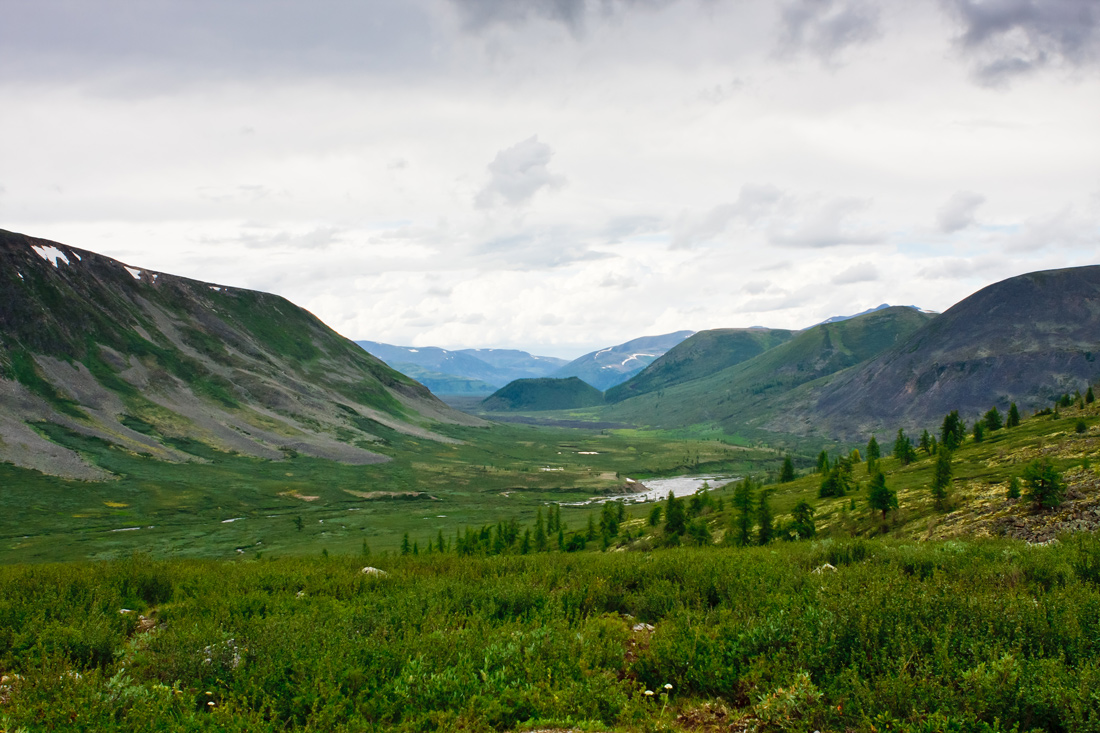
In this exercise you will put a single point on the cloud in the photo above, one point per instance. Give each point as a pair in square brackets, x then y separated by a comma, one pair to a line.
[1008, 38]
[829, 225]
[958, 212]
[1063, 229]
[518, 173]
[314, 239]
[824, 28]
[478, 14]
[860, 273]
[754, 203]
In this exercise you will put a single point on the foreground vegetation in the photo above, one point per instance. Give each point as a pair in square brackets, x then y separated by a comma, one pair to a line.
[832, 635]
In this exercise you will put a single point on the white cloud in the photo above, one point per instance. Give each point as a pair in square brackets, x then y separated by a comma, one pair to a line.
[518, 173]
[859, 273]
[958, 213]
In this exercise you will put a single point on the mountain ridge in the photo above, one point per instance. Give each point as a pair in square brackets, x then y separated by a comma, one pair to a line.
[144, 360]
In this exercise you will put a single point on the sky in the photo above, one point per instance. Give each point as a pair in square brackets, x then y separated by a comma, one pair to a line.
[559, 175]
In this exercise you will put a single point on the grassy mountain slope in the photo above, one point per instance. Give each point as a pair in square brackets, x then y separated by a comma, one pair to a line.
[543, 394]
[1024, 340]
[743, 394]
[616, 364]
[148, 361]
[699, 355]
[444, 384]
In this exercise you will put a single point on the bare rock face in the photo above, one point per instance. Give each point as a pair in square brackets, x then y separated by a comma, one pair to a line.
[136, 358]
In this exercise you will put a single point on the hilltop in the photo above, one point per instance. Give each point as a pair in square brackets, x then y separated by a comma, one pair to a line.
[543, 394]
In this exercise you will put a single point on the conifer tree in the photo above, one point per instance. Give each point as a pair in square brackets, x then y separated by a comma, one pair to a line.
[591, 532]
[1089, 396]
[1013, 416]
[903, 448]
[802, 520]
[406, 548]
[873, 451]
[675, 516]
[786, 474]
[743, 519]
[881, 497]
[993, 420]
[953, 432]
[765, 530]
[525, 543]
[822, 461]
[439, 542]
[979, 431]
[655, 515]
[941, 479]
[1014, 488]
[540, 532]
[1044, 487]
[926, 442]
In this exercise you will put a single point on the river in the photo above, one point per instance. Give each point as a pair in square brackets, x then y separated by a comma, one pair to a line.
[658, 488]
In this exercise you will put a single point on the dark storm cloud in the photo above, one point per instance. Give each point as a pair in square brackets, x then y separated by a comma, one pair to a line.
[174, 42]
[1012, 37]
[824, 28]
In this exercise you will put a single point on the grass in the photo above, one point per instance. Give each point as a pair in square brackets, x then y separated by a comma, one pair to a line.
[181, 508]
[953, 636]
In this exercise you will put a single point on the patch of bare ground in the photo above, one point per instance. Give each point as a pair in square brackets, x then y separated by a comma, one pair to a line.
[986, 512]
[371, 495]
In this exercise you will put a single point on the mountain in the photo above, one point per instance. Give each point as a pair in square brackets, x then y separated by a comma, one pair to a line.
[1024, 340]
[699, 355]
[152, 363]
[836, 319]
[543, 394]
[616, 364]
[746, 392]
[457, 372]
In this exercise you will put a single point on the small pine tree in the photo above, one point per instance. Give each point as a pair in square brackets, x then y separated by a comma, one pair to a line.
[979, 432]
[903, 448]
[439, 545]
[675, 516]
[698, 532]
[941, 479]
[590, 534]
[1044, 485]
[926, 442]
[1089, 396]
[854, 456]
[406, 548]
[298, 523]
[743, 517]
[802, 520]
[822, 462]
[541, 540]
[873, 451]
[1081, 426]
[881, 497]
[786, 474]
[1014, 488]
[953, 432]
[764, 518]
[655, 515]
[1013, 416]
[993, 420]
[525, 543]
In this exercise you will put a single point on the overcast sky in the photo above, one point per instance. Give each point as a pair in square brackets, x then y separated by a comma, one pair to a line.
[559, 175]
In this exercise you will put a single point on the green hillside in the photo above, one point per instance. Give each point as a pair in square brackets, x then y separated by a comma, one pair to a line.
[700, 355]
[742, 395]
[543, 394]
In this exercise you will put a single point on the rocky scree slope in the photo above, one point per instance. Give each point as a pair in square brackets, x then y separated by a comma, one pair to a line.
[149, 361]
